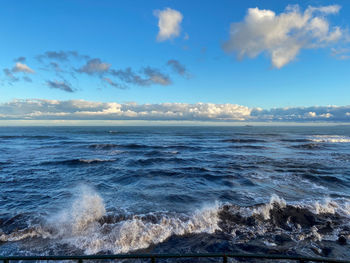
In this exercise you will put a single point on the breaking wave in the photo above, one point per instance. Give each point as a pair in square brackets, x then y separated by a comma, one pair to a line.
[87, 225]
[331, 139]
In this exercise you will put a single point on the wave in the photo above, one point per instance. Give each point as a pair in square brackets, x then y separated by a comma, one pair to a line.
[331, 139]
[108, 146]
[103, 146]
[255, 147]
[158, 160]
[244, 141]
[78, 162]
[87, 225]
[31, 137]
[295, 140]
[307, 146]
[160, 153]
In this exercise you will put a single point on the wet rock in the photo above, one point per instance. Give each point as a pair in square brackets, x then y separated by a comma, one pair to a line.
[326, 251]
[346, 229]
[112, 219]
[230, 219]
[326, 229]
[295, 215]
[342, 240]
[283, 238]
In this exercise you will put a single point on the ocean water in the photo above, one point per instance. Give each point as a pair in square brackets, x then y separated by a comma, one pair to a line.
[88, 190]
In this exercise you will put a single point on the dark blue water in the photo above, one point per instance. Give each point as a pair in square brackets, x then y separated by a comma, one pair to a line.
[73, 190]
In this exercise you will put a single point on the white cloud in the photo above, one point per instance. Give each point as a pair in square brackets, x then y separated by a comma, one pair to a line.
[40, 109]
[311, 114]
[326, 115]
[19, 67]
[330, 9]
[341, 53]
[168, 23]
[80, 109]
[282, 36]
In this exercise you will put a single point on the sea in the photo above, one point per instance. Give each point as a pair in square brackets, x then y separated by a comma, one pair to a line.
[109, 190]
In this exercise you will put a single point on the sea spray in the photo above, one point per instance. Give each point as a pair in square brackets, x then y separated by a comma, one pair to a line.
[87, 209]
[83, 212]
[264, 210]
[86, 226]
[138, 232]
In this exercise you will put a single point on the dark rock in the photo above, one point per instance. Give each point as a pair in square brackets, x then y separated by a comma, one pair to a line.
[326, 251]
[342, 240]
[283, 238]
[326, 229]
[295, 215]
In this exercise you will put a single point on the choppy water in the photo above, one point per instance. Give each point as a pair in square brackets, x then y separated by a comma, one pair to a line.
[73, 190]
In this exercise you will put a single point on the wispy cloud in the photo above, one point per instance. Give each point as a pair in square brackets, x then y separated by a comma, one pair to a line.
[177, 67]
[282, 36]
[61, 56]
[150, 76]
[169, 21]
[94, 66]
[20, 59]
[37, 109]
[20, 67]
[342, 53]
[9, 74]
[27, 79]
[113, 83]
[68, 65]
[155, 76]
[62, 85]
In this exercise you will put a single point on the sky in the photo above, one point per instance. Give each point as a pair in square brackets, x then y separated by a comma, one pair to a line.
[258, 61]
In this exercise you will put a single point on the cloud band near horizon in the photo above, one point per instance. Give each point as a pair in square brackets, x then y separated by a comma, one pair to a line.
[41, 109]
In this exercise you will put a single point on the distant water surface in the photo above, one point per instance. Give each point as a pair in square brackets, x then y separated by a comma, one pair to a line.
[74, 190]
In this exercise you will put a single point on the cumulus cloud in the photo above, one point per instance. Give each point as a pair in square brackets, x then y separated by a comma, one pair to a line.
[62, 85]
[303, 114]
[86, 110]
[169, 21]
[82, 110]
[282, 36]
[94, 66]
[19, 67]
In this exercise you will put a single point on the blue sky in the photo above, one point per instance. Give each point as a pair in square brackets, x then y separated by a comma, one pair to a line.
[207, 56]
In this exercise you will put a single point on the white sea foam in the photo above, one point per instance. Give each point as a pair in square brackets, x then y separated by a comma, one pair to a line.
[79, 226]
[326, 207]
[37, 231]
[331, 139]
[264, 210]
